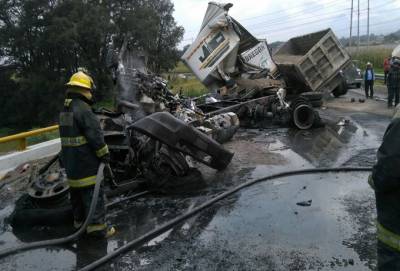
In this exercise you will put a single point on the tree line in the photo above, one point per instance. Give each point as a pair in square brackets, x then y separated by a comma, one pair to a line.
[45, 41]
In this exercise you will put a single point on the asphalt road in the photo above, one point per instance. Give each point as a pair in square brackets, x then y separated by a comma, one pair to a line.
[263, 227]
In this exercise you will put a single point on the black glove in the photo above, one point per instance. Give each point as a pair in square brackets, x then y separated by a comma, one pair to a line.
[106, 158]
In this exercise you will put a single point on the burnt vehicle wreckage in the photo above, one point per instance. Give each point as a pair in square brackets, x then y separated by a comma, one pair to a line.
[148, 149]
[156, 138]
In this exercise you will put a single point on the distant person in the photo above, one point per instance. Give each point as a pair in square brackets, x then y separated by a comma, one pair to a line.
[369, 78]
[393, 83]
[386, 66]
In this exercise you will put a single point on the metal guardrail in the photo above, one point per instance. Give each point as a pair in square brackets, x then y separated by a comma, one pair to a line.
[379, 76]
[21, 137]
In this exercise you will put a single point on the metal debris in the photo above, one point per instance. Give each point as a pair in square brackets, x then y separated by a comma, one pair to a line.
[304, 203]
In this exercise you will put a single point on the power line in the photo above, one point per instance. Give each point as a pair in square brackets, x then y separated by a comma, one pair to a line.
[302, 24]
[368, 27]
[358, 26]
[319, 18]
[342, 28]
[299, 14]
[278, 12]
[351, 22]
[290, 19]
[269, 31]
[336, 13]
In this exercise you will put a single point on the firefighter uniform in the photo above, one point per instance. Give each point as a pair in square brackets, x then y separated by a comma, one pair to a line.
[83, 148]
[385, 180]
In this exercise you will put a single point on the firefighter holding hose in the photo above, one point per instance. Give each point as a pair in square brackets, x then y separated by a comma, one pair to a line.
[385, 180]
[82, 150]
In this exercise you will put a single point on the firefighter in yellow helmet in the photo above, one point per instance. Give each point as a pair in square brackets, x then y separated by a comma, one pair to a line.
[82, 150]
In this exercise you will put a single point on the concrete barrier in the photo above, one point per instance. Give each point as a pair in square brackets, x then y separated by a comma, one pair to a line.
[10, 161]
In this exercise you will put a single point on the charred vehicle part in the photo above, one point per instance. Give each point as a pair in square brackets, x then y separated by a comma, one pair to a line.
[140, 93]
[297, 111]
[147, 149]
[148, 154]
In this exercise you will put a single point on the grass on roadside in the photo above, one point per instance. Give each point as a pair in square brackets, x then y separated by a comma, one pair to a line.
[13, 145]
[374, 55]
[191, 87]
[108, 103]
[5, 131]
[42, 137]
[181, 68]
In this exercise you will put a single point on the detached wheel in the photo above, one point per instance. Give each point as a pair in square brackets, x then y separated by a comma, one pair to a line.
[312, 96]
[27, 214]
[303, 114]
[46, 202]
[340, 90]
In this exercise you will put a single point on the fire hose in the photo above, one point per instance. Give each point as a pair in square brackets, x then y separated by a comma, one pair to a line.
[75, 235]
[168, 225]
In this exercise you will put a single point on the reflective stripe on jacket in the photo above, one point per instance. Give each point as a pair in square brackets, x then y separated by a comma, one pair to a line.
[82, 141]
[388, 238]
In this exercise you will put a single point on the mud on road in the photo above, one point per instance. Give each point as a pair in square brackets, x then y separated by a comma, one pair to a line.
[260, 228]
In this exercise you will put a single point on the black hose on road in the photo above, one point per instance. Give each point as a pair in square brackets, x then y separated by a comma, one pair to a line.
[140, 194]
[75, 235]
[168, 225]
[49, 164]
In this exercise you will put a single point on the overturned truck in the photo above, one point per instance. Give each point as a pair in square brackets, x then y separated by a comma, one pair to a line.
[243, 75]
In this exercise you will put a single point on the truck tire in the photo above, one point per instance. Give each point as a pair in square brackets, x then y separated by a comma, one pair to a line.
[340, 90]
[303, 116]
[312, 96]
[27, 214]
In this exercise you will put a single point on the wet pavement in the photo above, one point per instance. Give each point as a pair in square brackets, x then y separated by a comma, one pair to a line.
[259, 228]
[262, 228]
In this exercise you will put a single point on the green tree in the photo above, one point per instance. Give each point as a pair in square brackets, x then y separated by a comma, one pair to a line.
[49, 39]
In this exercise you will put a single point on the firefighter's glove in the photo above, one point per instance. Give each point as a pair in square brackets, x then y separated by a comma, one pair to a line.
[105, 159]
[371, 182]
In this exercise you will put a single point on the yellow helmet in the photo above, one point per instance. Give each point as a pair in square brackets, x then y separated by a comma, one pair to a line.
[81, 79]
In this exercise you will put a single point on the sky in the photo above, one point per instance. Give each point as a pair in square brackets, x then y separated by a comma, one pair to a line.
[279, 20]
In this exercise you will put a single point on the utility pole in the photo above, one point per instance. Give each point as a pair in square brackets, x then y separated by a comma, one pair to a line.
[368, 27]
[358, 27]
[351, 24]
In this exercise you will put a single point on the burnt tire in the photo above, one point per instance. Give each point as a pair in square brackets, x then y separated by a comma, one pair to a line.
[303, 115]
[316, 104]
[193, 181]
[26, 214]
[340, 90]
[312, 96]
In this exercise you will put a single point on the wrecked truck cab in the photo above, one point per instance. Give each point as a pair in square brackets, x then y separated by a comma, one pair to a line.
[213, 56]
[183, 138]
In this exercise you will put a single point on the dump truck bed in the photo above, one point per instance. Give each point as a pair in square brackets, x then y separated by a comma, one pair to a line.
[312, 62]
